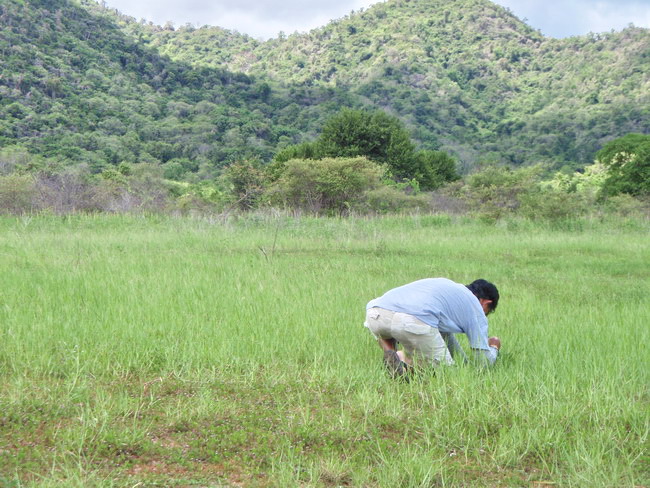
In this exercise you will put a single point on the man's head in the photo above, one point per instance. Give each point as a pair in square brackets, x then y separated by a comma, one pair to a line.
[487, 294]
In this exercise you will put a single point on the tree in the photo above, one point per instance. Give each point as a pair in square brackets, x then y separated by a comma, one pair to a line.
[381, 138]
[435, 168]
[628, 161]
[376, 135]
[246, 181]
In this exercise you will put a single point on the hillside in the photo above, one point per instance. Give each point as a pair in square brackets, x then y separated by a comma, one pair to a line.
[78, 89]
[466, 73]
[84, 84]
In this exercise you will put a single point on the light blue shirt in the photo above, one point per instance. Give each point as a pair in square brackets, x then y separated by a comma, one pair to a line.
[441, 303]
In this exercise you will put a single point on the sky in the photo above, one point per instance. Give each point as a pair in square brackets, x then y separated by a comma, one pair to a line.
[263, 19]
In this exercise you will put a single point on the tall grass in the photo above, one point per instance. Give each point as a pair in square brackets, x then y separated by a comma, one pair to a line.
[180, 352]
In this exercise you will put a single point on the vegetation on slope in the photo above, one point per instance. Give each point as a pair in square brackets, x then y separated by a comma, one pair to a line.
[77, 89]
[86, 87]
[467, 75]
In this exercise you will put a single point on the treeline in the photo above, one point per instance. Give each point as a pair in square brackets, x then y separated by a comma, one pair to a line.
[362, 163]
[327, 187]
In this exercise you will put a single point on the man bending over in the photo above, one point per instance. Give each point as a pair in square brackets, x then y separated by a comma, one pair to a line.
[424, 315]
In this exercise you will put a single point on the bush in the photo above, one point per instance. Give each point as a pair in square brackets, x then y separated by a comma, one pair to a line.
[246, 181]
[17, 159]
[17, 193]
[65, 193]
[375, 135]
[447, 200]
[552, 205]
[496, 191]
[628, 161]
[381, 138]
[624, 205]
[435, 169]
[331, 186]
[589, 182]
[388, 199]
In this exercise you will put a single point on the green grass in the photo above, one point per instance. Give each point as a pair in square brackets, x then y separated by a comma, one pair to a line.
[176, 352]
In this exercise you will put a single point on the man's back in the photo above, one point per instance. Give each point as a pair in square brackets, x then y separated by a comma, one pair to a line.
[439, 302]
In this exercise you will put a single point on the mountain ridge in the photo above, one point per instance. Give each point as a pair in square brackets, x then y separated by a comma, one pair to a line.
[465, 76]
[475, 46]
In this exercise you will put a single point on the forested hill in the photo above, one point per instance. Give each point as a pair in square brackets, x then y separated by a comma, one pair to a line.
[76, 87]
[466, 72]
[87, 84]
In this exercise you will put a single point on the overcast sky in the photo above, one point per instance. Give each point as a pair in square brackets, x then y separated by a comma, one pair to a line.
[263, 19]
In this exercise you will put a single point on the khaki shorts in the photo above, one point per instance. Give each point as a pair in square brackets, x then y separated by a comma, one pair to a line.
[418, 339]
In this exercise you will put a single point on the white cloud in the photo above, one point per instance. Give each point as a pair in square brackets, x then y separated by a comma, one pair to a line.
[265, 18]
[258, 18]
[265, 28]
[606, 16]
[563, 18]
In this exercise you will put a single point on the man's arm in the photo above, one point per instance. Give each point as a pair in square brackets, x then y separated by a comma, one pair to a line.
[455, 349]
[487, 357]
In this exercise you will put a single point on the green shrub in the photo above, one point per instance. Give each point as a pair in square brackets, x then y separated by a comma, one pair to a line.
[330, 186]
[389, 199]
[380, 137]
[625, 205]
[551, 204]
[246, 181]
[435, 169]
[628, 161]
[496, 191]
[16, 193]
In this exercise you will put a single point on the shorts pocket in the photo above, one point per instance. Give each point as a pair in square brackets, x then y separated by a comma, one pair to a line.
[372, 317]
[416, 327]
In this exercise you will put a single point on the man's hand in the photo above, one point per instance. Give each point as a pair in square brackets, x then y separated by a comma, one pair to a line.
[494, 342]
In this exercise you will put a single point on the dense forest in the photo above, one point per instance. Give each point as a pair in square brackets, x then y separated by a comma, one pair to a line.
[84, 86]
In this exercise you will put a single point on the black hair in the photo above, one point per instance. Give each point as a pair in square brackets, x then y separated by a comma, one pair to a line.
[486, 290]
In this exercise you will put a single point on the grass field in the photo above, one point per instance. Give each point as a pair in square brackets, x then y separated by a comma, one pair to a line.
[183, 352]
